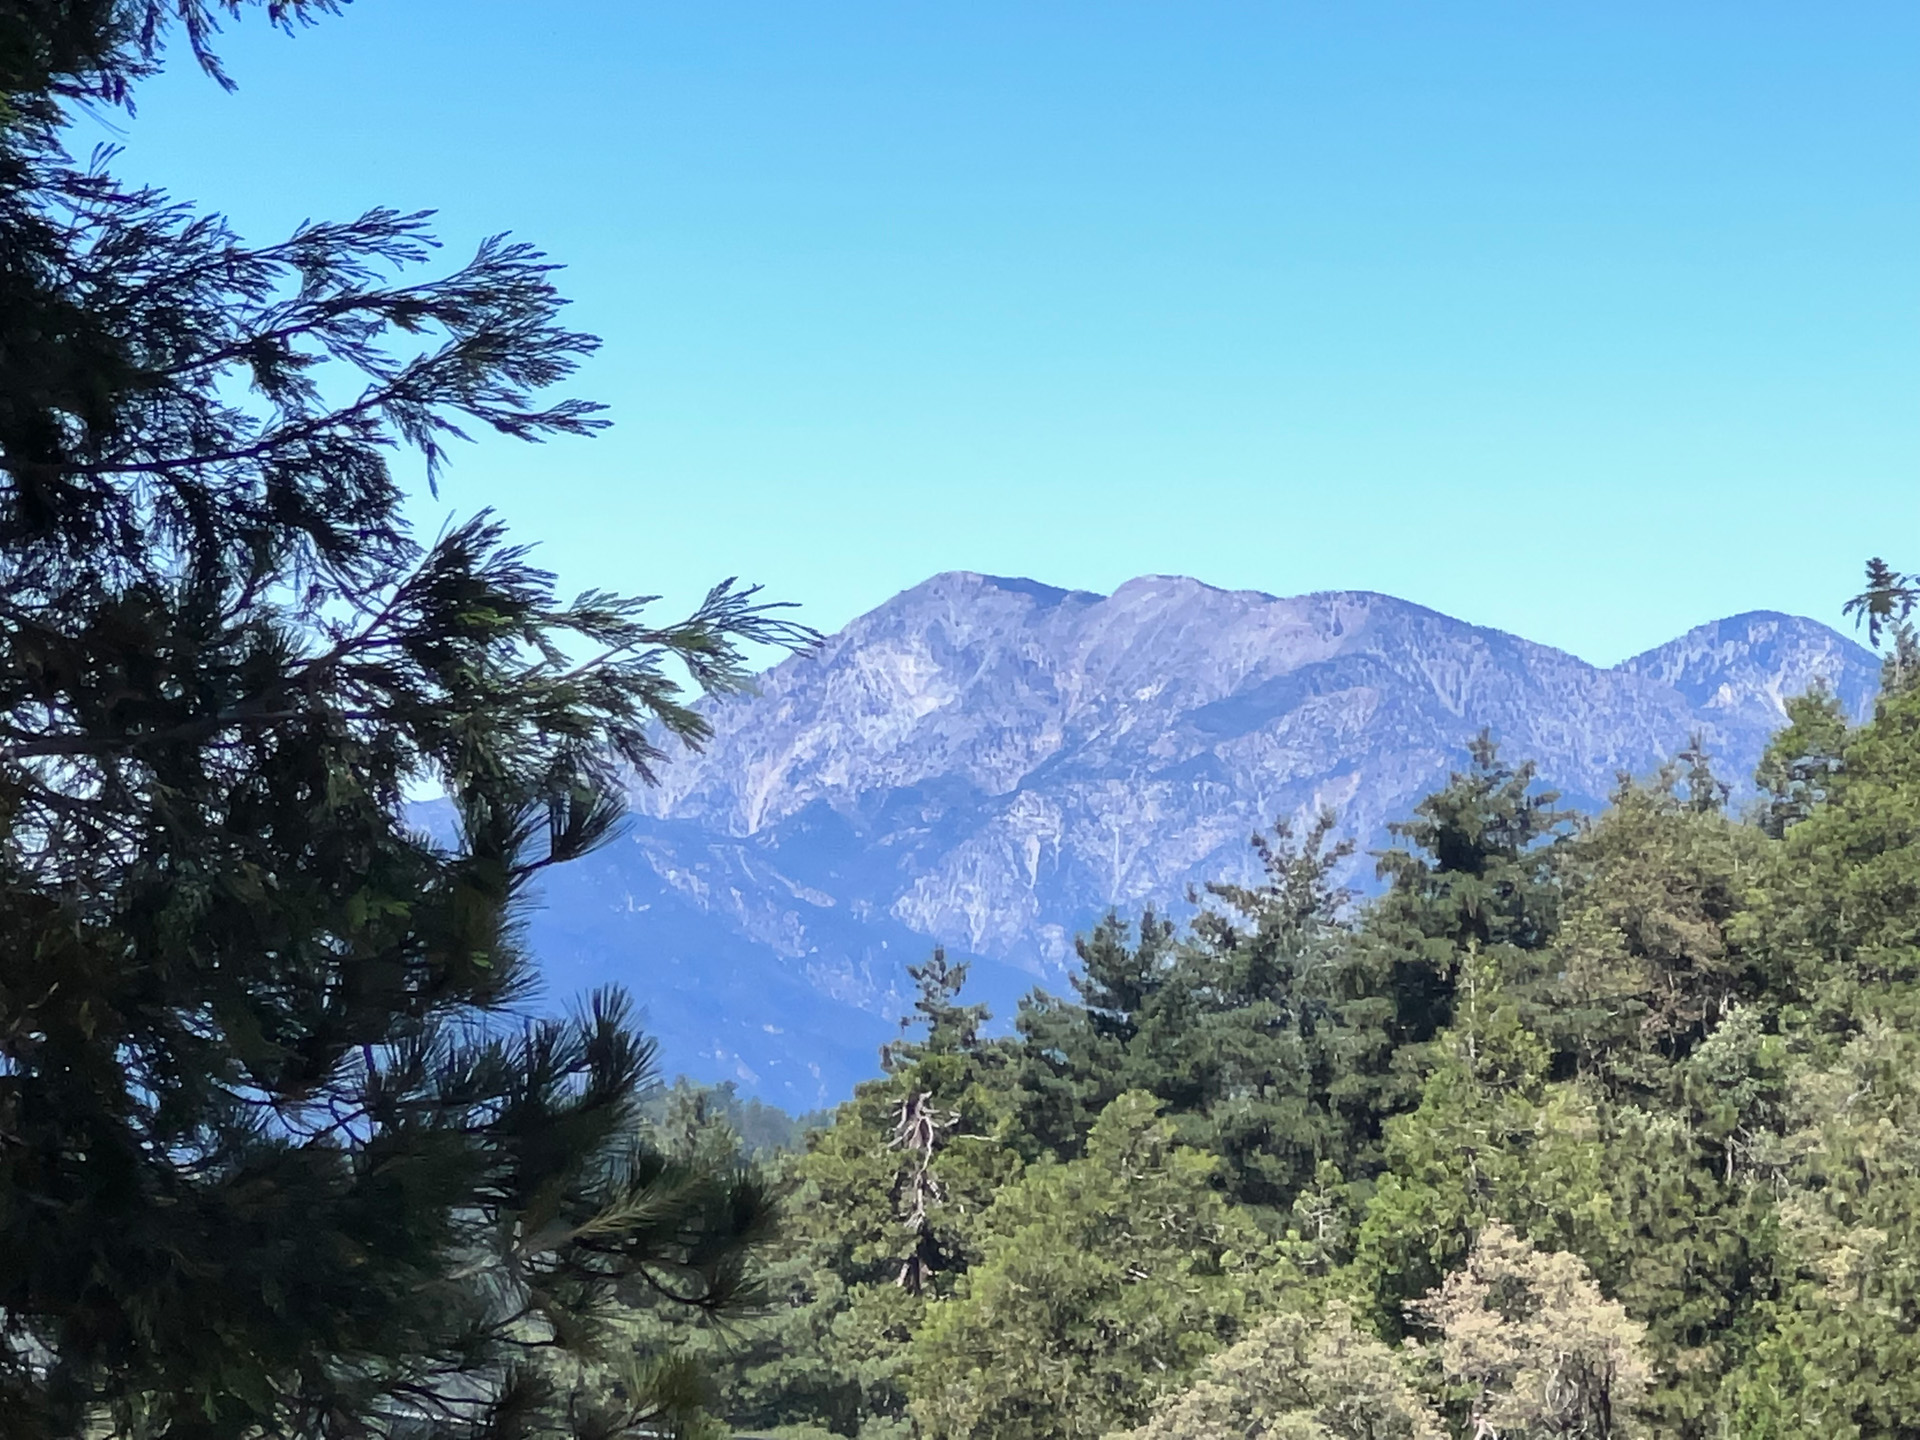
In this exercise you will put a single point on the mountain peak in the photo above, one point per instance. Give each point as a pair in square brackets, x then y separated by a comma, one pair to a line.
[990, 763]
[955, 582]
[1756, 661]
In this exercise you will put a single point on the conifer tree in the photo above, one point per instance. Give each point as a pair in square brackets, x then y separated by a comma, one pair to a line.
[1473, 876]
[1073, 1060]
[1101, 1283]
[1258, 1027]
[1646, 962]
[1884, 607]
[1288, 1042]
[1298, 1377]
[279, 1154]
[883, 1219]
[1492, 1138]
[1802, 762]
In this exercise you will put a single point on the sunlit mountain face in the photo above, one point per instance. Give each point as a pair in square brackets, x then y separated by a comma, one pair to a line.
[992, 764]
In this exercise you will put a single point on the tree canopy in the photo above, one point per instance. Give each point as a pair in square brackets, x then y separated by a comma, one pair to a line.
[1581, 1126]
[282, 1151]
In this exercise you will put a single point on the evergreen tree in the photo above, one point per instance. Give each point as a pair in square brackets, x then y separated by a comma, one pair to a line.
[1285, 1023]
[1884, 606]
[1073, 1060]
[1839, 1351]
[1706, 793]
[1801, 762]
[760, 1131]
[1647, 959]
[1834, 1351]
[883, 1216]
[951, 1028]
[1492, 1139]
[1259, 1028]
[1101, 1282]
[1475, 877]
[1297, 1378]
[1691, 1248]
[1836, 918]
[1884, 601]
[279, 1157]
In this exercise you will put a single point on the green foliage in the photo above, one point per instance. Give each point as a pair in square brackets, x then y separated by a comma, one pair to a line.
[1883, 606]
[1798, 771]
[1476, 876]
[1834, 1353]
[1644, 964]
[1839, 914]
[1840, 1354]
[1472, 893]
[1074, 1060]
[1295, 1378]
[1100, 1281]
[1533, 1346]
[1492, 1139]
[1256, 1029]
[280, 1155]
[834, 1349]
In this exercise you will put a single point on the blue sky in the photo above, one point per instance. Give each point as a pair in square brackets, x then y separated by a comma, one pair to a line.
[1588, 322]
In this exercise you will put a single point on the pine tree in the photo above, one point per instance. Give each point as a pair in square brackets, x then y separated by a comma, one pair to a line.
[1101, 1282]
[1259, 1027]
[1884, 606]
[278, 1154]
[1839, 1354]
[1492, 1138]
[951, 1028]
[1802, 762]
[1707, 793]
[1837, 918]
[883, 1219]
[1474, 876]
[1287, 1043]
[1647, 960]
[1075, 1059]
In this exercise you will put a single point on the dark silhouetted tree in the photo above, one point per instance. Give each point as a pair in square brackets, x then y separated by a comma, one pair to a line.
[278, 1153]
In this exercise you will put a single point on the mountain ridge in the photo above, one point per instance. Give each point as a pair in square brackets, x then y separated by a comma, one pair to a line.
[991, 762]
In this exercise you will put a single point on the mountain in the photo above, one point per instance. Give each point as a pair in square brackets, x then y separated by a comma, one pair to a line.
[991, 764]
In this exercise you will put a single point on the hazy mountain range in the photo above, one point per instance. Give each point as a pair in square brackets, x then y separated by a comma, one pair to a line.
[992, 763]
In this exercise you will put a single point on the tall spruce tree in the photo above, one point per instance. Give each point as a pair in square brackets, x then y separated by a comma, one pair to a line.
[1802, 762]
[1473, 876]
[1259, 1027]
[277, 1155]
[884, 1219]
[1073, 1060]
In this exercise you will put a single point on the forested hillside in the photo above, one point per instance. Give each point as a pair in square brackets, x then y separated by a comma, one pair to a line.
[1594, 1122]
[1582, 1127]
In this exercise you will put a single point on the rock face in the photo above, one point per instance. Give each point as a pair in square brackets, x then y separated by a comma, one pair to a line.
[991, 764]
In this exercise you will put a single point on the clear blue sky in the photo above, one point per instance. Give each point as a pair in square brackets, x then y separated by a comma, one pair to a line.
[1590, 322]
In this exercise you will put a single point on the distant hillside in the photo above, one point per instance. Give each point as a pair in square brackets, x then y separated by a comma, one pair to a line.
[992, 763]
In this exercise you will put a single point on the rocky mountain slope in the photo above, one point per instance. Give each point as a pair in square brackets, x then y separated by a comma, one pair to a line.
[992, 763]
